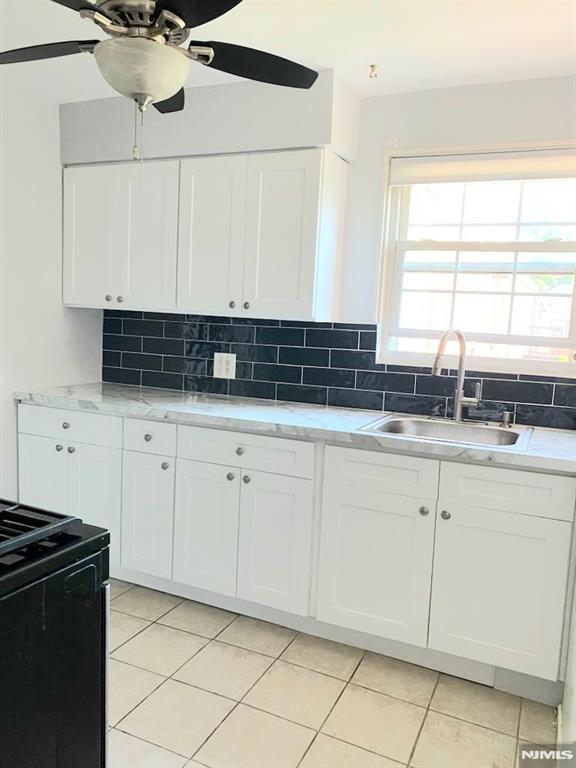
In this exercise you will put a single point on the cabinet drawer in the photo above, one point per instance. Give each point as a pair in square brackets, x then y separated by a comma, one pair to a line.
[76, 426]
[508, 490]
[150, 437]
[267, 454]
[384, 472]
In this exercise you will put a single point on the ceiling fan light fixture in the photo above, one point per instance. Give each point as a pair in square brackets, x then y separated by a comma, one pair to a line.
[145, 70]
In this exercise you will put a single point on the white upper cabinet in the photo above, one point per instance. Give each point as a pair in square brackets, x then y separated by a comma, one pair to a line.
[292, 234]
[211, 237]
[256, 235]
[120, 235]
[91, 202]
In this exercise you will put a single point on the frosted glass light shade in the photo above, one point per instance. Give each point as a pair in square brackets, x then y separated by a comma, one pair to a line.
[136, 67]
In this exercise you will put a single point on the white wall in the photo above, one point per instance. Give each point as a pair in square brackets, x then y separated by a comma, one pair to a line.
[523, 111]
[41, 342]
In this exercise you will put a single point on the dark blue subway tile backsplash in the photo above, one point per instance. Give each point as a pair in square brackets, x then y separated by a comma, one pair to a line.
[321, 363]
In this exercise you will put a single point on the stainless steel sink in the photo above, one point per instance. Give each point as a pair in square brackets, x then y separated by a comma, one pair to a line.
[448, 431]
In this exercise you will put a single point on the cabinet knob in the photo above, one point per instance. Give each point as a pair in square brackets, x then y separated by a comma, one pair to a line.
[424, 511]
[71, 449]
[165, 465]
[231, 304]
[65, 425]
[239, 451]
[108, 297]
[445, 515]
[59, 448]
[230, 476]
[246, 479]
[246, 305]
[120, 299]
[148, 437]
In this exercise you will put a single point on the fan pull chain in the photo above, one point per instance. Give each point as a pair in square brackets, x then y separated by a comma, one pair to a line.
[138, 148]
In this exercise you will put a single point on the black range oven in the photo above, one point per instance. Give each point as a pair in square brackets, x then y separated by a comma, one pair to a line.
[53, 640]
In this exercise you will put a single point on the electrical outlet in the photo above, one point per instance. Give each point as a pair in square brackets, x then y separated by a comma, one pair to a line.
[224, 366]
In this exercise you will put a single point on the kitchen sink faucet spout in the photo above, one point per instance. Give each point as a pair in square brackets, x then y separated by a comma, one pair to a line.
[459, 399]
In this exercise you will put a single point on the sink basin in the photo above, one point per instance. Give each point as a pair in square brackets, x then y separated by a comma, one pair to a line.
[451, 431]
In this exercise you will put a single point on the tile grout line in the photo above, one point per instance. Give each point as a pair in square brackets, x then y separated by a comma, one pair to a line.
[413, 750]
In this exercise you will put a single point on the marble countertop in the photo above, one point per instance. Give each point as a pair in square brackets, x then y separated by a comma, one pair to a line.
[549, 450]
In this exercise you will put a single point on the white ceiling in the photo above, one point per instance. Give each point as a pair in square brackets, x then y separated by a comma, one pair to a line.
[417, 44]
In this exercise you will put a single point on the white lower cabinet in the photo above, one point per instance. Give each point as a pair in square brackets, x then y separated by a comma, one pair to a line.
[73, 479]
[275, 541]
[147, 513]
[206, 526]
[42, 473]
[500, 588]
[94, 489]
[376, 547]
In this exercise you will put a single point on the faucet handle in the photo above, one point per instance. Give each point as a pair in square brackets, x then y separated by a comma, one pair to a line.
[478, 390]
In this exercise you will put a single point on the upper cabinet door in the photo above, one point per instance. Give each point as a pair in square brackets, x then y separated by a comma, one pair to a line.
[91, 206]
[211, 235]
[282, 226]
[148, 235]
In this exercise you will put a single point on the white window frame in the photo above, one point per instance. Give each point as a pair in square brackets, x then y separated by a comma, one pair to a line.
[389, 292]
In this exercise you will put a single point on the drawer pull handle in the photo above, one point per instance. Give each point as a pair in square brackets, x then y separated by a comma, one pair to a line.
[424, 511]
[246, 305]
[108, 297]
[246, 479]
[239, 451]
[59, 448]
[231, 304]
[445, 515]
[71, 449]
[120, 299]
[65, 425]
[148, 437]
[230, 476]
[165, 465]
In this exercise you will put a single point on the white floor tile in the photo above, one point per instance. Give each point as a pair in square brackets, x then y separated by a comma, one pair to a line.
[298, 694]
[252, 739]
[376, 722]
[537, 723]
[145, 603]
[177, 717]
[128, 687]
[127, 751]
[123, 627]
[224, 669]
[117, 587]
[449, 743]
[323, 656]
[477, 704]
[396, 678]
[160, 649]
[259, 636]
[327, 752]
[198, 618]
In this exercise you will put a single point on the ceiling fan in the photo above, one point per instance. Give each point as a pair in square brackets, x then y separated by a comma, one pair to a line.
[144, 58]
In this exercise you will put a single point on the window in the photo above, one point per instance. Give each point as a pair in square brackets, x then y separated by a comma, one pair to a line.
[486, 244]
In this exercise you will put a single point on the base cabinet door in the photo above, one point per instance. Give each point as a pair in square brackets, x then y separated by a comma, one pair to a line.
[206, 526]
[42, 473]
[375, 566]
[95, 489]
[275, 541]
[147, 513]
[500, 588]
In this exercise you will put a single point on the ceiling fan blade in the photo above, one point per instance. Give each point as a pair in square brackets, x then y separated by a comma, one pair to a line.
[195, 12]
[76, 5]
[259, 65]
[48, 51]
[173, 104]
